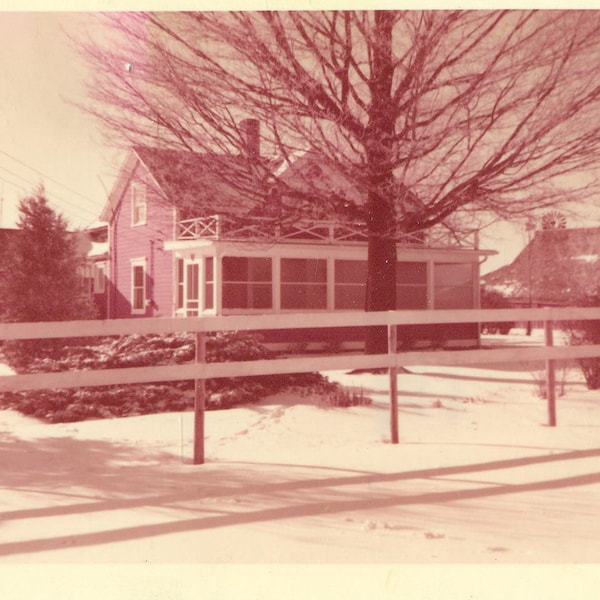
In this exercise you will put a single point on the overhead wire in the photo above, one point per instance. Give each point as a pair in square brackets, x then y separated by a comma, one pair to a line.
[66, 187]
[59, 202]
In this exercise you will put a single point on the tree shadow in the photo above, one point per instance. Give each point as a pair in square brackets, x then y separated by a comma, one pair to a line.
[76, 477]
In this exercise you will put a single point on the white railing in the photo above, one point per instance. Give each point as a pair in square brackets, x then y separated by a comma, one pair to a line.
[392, 360]
[223, 227]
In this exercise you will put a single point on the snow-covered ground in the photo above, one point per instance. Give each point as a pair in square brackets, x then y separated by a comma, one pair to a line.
[478, 477]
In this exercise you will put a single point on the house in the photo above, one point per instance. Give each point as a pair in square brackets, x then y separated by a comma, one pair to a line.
[559, 267]
[92, 244]
[183, 243]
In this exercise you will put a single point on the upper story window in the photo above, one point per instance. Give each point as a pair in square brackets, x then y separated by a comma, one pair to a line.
[138, 204]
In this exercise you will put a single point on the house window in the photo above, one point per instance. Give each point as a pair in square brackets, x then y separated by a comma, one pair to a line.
[192, 289]
[411, 285]
[85, 278]
[138, 204]
[138, 286]
[303, 283]
[209, 283]
[350, 284]
[247, 282]
[99, 284]
[453, 285]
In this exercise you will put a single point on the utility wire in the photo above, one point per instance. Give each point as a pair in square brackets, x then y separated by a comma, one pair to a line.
[83, 211]
[66, 187]
[57, 201]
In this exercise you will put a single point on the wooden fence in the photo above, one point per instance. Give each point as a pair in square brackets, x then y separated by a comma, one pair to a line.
[393, 360]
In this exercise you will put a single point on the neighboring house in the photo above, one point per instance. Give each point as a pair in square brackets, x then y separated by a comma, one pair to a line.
[559, 267]
[93, 246]
[167, 260]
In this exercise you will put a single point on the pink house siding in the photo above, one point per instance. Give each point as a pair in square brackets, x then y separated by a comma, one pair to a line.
[141, 245]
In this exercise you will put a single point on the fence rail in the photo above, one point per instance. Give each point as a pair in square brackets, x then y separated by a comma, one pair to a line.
[200, 370]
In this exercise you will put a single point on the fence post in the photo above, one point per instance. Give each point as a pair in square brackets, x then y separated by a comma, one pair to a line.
[393, 373]
[550, 376]
[199, 401]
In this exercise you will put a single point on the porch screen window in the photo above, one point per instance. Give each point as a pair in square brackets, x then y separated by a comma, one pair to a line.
[453, 285]
[138, 204]
[350, 284]
[192, 288]
[303, 283]
[411, 285]
[138, 287]
[209, 283]
[247, 282]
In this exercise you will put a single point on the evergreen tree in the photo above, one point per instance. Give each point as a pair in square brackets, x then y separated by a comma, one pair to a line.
[41, 280]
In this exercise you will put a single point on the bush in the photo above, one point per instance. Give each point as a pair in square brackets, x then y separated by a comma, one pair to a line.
[587, 332]
[138, 399]
[491, 298]
[344, 397]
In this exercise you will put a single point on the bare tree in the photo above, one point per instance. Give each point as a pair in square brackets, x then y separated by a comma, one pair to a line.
[422, 114]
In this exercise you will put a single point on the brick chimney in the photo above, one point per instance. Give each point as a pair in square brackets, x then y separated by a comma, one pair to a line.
[250, 129]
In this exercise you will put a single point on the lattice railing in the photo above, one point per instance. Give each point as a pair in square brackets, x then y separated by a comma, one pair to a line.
[223, 227]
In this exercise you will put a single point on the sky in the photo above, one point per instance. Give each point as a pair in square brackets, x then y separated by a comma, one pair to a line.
[46, 139]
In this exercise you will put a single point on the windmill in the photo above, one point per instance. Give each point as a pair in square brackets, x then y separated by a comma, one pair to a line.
[554, 220]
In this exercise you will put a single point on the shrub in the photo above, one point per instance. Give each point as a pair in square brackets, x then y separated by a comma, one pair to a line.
[137, 399]
[344, 397]
[587, 332]
[491, 298]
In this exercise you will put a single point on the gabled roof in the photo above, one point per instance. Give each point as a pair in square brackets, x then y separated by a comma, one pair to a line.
[559, 266]
[202, 185]
[202, 182]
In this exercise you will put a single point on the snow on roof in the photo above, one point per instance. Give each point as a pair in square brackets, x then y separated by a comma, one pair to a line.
[96, 225]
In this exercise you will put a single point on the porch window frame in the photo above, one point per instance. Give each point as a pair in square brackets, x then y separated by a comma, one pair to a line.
[306, 284]
[422, 286]
[271, 283]
[340, 285]
[471, 286]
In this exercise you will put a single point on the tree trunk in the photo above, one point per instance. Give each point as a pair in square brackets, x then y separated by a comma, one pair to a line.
[381, 214]
[381, 275]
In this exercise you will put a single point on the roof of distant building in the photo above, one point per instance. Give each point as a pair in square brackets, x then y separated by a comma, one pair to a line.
[558, 267]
